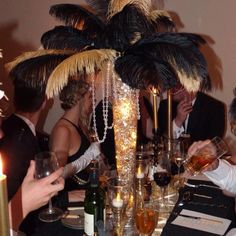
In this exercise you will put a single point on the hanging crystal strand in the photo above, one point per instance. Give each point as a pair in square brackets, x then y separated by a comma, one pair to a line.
[105, 104]
[138, 107]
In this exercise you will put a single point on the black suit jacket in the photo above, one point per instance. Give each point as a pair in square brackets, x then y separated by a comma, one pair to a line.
[207, 119]
[18, 147]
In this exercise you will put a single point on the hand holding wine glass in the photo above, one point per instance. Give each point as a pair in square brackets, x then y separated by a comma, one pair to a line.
[45, 164]
[202, 155]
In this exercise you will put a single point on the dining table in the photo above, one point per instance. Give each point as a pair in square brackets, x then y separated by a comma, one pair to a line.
[205, 197]
[201, 197]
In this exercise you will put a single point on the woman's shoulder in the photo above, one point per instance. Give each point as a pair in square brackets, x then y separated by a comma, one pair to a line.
[61, 128]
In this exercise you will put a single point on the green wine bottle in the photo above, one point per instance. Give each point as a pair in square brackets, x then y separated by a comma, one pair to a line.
[94, 204]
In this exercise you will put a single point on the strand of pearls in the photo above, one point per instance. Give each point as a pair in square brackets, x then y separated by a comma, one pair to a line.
[137, 104]
[105, 105]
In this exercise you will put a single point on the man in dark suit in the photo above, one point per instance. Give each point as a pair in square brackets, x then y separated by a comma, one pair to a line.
[197, 114]
[20, 143]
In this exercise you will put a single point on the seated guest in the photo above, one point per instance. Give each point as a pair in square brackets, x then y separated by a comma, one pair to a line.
[198, 114]
[70, 137]
[20, 143]
[221, 172]
[33, 193]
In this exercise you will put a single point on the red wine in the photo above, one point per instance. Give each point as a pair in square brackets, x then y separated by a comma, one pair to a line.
[162, 178]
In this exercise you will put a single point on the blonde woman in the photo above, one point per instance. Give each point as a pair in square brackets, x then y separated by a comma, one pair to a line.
[70, 138]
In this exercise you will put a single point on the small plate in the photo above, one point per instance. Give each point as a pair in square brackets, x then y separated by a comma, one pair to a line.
[74, 223]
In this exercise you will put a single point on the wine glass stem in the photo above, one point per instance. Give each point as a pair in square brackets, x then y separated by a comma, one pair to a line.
[163, 192]
[179, 173]
[50, 208]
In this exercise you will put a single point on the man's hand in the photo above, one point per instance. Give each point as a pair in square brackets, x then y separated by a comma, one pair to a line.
[197, 146]
[183, 109]
[37, 192]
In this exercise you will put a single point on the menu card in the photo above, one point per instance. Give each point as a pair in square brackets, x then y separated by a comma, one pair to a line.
[203, 222]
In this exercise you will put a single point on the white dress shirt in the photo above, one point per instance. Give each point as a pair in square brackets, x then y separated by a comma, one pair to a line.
[28, 122]
[224, 176]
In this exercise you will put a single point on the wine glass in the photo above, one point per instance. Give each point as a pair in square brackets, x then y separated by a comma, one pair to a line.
[178, 156]
[146, 219]
[162, 176]
[45, 164]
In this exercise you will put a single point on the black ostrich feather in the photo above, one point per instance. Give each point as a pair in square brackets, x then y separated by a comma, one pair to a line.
[163, 24]
[139, 71]
[77, 17]
[65, 37]
[126, 27]
[180, 50]
[100, 7]
[34, 72]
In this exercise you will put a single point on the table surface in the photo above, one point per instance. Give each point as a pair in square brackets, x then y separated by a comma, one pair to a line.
[219, 205]
[208, 206]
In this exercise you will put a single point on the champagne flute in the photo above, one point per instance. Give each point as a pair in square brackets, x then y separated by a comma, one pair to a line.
[45, 164]
[178, 156]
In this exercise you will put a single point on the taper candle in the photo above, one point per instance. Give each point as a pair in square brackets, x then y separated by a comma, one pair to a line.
[4, 215]
[154, 94]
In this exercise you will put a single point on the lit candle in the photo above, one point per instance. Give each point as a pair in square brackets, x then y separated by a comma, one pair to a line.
[4, 217]
[139, 174]
[117, 202]
[154, 94]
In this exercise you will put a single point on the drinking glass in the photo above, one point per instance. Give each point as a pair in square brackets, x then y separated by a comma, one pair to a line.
[45, 164]
[162, 176]
[146, 219]
[178, 157]
[118, 197]
[185, 143]
[206, 155]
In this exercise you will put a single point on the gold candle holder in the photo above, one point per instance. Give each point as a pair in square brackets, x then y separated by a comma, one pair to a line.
[118, 221]
[4, 215]
[170, 126]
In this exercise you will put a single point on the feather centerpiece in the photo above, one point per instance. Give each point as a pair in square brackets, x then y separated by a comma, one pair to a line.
[36, 70]
[116, 6]
[65, 37]
[87, 62]
[180, 51]
[78, 17]
[29, 55]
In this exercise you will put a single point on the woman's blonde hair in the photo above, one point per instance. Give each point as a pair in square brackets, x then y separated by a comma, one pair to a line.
[72, 92]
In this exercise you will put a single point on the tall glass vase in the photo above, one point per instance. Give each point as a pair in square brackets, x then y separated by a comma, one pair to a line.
[125, 130]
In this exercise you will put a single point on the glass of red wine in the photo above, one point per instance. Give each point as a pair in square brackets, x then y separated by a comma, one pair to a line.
[162, 176]
[45, 164]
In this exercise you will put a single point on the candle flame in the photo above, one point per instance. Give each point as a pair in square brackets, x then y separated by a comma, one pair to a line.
[139, 170]
[118, 196]
[1, 171]
[155, 91]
